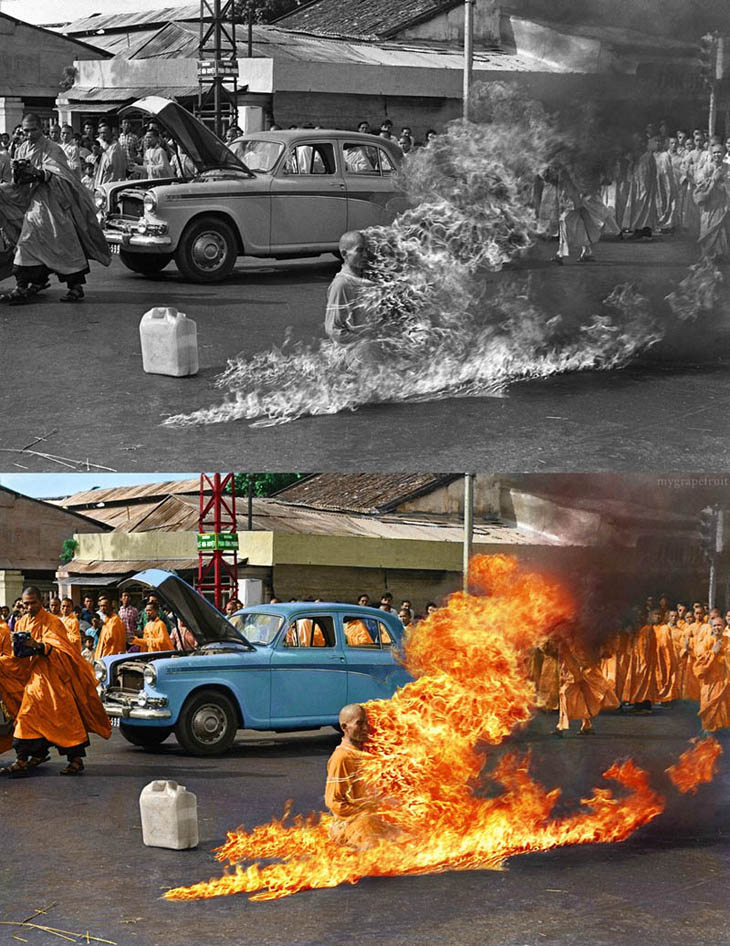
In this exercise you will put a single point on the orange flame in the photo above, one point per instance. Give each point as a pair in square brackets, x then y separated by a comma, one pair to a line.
[696, 766]
[423, 760]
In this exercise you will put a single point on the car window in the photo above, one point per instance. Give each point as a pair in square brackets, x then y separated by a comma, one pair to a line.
[366, 632]
[311, 159]
[260, 628]
[366, 159]
[256, 154]
[310, 632]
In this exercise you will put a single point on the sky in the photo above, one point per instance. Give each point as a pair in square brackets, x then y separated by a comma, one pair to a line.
[51, 11]
[51, 485]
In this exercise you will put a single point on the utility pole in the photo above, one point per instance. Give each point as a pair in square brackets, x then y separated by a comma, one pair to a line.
[217, 63]
[468, 53]
[468, 525]
[218, 537]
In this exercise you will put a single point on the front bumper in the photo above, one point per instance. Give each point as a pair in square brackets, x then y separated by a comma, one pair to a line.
[120, 711]
[139, 242]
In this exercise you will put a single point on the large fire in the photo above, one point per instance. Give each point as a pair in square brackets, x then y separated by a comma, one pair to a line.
[426, 754]
[696, 765]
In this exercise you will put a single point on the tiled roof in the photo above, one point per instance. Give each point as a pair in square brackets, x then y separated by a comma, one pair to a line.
[362, 492]
[371, 19]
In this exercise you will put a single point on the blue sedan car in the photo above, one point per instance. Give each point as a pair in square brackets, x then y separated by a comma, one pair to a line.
[291, 666]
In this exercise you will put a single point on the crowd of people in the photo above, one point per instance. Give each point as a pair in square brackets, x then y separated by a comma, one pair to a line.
[667, 181]
[665, 652]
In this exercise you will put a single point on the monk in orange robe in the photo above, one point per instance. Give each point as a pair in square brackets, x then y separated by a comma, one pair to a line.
[640, 687]
[615, 660]
[155, 636]
[113, 634]
[357, 634]
[713, 671]
[547, 690]
[71, 622]
[357, 819]
[690, 683]
[668, 679]
[6, 646]
[584, 691]
[50, 694]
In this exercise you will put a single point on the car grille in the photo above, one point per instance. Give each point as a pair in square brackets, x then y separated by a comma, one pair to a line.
[130, 678]
[131, 205]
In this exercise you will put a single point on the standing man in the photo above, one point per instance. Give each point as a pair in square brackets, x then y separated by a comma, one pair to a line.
[640, 685]
[129, 143]
[129, 616]
[155, 636]
[713, 671]
[71, 150]
[51, 694]
[71, 622]
[60, 232]
[641, 209]
[712, 195]
[112, 636]
[112, 164]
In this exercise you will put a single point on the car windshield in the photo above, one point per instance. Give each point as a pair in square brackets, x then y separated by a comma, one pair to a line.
[258, 155]
[261, 628]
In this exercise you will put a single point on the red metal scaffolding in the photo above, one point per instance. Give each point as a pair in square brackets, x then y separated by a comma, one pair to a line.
[218, 537]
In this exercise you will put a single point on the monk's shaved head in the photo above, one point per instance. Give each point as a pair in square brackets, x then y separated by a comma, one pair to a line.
[350, 240]
[32, 590]
[350, 712]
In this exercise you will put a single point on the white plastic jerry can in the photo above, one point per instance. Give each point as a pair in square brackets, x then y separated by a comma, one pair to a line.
[169, 342]
[169, 815]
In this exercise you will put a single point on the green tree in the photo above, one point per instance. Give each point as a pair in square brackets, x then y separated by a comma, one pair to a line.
[264, 11]
[264, 484]
[68, 551]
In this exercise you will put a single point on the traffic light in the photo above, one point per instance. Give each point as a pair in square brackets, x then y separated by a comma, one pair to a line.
[708, 530]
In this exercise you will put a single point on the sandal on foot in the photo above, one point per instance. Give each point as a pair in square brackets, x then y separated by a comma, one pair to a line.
[74, 294]
[36, 760]
[19, 769]
[74, 767]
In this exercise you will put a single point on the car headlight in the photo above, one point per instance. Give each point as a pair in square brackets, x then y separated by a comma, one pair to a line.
[99, 199]
[99, 670]
[150, 675]
[150, 202]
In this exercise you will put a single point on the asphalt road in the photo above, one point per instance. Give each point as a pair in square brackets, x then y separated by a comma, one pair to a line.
[77, 844]
[73, 375]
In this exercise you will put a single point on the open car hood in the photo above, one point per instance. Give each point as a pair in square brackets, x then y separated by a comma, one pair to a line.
[206, 622]
[198, 142]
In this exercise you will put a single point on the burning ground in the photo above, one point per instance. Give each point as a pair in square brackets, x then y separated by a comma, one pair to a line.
[430, 757]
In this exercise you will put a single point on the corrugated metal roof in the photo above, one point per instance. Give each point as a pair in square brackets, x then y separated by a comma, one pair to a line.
[124, 494]
[173, 41]
[363, 18]
[117, 569]
[130, 21]
[129, 93]
[362, 492]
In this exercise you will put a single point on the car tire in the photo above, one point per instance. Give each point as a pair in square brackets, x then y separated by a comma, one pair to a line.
[207, 724]
[149, 264]
[149, 737]
[207, 250]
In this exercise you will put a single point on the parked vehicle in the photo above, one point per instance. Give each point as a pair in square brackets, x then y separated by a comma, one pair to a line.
[293, 666]
[280, 194]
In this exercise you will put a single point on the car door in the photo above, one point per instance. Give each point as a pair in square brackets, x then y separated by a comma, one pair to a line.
[373, 189]
[308, 198]
[372, 671]
[308, 672]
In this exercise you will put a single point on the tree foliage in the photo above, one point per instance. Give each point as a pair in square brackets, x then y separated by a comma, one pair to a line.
[264, 11]
[68, 551]
[265, 484]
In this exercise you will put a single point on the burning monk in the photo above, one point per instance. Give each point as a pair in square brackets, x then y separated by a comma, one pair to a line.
[584, 691]
[355, 821]
[346, 318]
[60, 232]
[713, 671]
[50, 693]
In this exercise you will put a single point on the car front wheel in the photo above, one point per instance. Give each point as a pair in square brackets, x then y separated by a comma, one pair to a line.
[207, 250]
[149, 264]
[207, 724]
[146, 736]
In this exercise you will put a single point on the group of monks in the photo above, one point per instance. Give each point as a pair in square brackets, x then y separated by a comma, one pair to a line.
[670, 653]
[665, 181]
